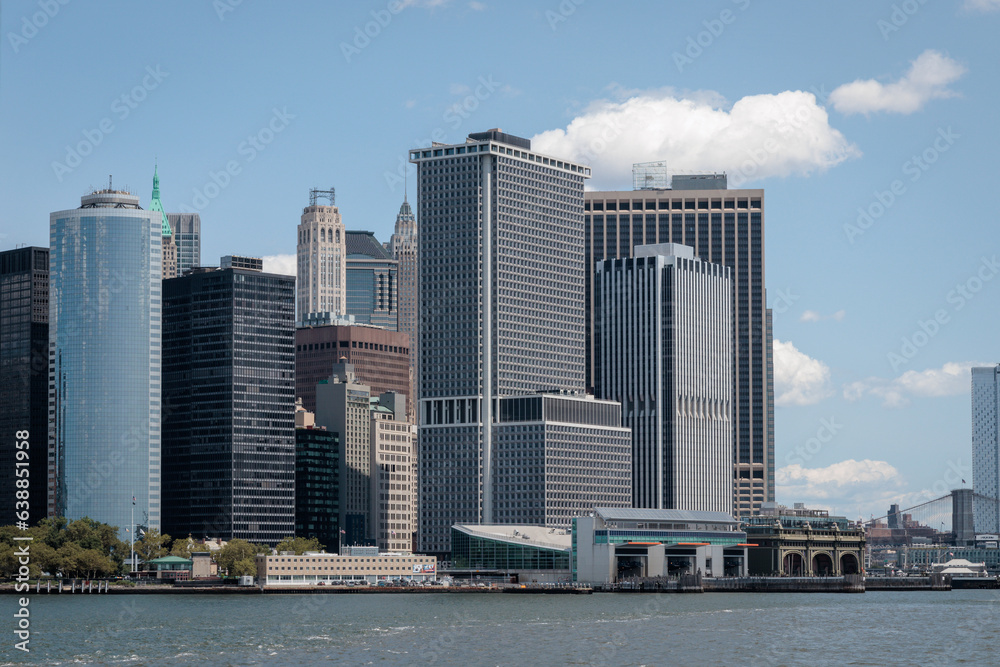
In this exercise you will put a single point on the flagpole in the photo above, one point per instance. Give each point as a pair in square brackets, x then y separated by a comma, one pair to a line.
[132, 533]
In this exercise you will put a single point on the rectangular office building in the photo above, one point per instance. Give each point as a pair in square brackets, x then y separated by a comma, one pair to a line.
[664, 350]
[229, 405]
[724, 227]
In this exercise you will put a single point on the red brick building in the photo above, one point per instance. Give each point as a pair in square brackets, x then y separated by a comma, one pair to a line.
[381, 359]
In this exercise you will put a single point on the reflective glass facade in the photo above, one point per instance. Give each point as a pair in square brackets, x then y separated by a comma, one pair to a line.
[229, 425]
[104, 387]
[24, 377]
[474, 551]
[372, 281]
[187, 238]
[317, 471]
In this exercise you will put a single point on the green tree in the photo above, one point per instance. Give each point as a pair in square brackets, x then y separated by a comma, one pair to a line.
[237, 557]
[152, 545]
[185, 547]
[299, 545]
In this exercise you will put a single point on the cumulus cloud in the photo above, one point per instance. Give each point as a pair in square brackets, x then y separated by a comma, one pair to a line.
[814, 316]
[757, 137]
[283, 264]
[952, 379]
[798, 378]
[927, 79]
[844, 486]
[982, 5]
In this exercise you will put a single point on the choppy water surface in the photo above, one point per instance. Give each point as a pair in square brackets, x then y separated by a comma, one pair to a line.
[960, 627]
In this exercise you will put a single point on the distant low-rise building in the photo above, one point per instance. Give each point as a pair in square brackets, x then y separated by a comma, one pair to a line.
[319, 568]
[803, 542]
[620, 543]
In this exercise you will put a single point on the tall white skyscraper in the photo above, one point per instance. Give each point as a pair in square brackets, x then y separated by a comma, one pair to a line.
[663, 340]
[507, 434]
[105, 346]
[322, 259]
[986, 448]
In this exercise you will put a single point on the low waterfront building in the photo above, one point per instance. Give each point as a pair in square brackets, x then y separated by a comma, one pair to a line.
[803, 542]
[170, 567]
[620, 543]
[516, 553]
[319, 568]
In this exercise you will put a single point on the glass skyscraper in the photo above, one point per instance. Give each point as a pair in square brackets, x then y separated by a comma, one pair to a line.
[24, 377]
[501, 316]
[104, 334]
[986, 448]
[372, 281]
[187, 237]
[229, 404]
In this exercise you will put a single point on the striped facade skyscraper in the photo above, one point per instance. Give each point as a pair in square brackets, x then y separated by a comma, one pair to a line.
[986, 448]
[663, 333]
[724, 227]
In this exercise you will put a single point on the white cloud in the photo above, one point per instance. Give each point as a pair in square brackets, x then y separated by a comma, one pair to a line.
[798, 378]
[458, 89]
[410, 104]
[981, 5]
[927, 79]
[283, 264]
[952, 379]
[845, 486]
[757, 137]
[813, 316]
[478, 6]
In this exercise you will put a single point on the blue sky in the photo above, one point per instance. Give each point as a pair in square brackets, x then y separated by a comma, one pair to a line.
[870, 125]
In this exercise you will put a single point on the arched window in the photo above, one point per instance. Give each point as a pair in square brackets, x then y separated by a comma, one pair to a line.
[322, 235]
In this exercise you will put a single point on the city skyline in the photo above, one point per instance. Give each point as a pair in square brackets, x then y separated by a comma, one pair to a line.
[873, 338]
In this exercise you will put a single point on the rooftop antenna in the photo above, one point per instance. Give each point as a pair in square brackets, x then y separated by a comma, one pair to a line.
[316, 193]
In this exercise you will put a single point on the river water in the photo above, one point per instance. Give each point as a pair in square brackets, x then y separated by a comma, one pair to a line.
[918, 628]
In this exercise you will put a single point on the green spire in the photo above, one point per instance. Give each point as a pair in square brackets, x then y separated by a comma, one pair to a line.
[156, 205]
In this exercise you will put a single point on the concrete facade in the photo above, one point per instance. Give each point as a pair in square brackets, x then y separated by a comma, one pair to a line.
[312, 569]
[664, 350]
[322, 262]
[724, 227]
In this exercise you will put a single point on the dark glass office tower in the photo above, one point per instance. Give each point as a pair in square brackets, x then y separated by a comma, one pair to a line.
[24, 379]
[317, 471]
[724, 227]
[372, 281]
[229, 405]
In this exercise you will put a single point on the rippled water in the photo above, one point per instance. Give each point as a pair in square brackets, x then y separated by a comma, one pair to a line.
[960, 627]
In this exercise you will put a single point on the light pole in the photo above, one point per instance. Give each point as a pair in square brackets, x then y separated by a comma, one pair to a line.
[131, 532]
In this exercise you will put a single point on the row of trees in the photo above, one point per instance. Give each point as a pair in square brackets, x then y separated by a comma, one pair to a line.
[90, 549]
